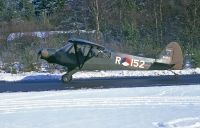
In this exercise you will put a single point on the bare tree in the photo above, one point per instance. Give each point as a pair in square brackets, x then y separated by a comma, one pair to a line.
[94, 8]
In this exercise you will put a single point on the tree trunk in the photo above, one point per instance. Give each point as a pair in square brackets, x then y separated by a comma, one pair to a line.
[156, 23]
[97, 21]
[161, 26]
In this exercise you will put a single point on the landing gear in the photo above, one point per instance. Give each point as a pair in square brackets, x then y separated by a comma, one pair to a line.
[66, 78]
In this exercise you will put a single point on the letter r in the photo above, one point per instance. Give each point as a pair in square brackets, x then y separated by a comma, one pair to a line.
[117, 60]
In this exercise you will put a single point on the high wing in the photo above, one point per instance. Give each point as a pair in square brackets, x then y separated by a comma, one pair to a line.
[85, 42]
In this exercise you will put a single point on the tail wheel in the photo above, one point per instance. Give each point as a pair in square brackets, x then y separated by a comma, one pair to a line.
[66, 78]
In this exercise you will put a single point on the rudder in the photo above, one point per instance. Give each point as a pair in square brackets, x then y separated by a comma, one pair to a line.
[172, 54]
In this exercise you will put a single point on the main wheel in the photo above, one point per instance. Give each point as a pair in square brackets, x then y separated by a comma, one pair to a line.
[66, 78]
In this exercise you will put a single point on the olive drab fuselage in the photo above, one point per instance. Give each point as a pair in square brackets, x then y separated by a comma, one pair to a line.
[79, 55]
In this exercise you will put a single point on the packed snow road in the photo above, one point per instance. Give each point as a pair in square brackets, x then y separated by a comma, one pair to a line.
[34, 81]
[92, 83]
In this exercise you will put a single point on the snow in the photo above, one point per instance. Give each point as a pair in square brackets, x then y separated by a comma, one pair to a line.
[92, 74]
[191, 122]
[138, 107]
[152, 107]
[29, 76]
[44, 34]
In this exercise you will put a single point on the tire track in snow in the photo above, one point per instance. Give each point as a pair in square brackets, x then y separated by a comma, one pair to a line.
[27, 104]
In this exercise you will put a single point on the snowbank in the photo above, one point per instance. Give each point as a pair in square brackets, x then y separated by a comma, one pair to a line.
[92, 74]
[44, 34]
[193, 122]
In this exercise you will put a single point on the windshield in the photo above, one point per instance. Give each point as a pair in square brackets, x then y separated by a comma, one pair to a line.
[67, 47]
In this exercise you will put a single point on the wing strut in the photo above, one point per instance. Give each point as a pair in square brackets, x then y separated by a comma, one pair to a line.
[77, 58]
[86, 57]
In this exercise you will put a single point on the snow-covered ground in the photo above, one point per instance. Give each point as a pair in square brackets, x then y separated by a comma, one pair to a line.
[93, 74]
[150, 107]
[139, 107]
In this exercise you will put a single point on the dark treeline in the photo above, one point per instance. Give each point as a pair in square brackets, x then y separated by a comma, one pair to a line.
[134, 26]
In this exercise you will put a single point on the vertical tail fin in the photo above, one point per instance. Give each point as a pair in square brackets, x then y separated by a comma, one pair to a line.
[172, 54]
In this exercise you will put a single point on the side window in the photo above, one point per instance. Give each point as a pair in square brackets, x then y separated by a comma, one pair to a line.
[104, 53]
[83, 49]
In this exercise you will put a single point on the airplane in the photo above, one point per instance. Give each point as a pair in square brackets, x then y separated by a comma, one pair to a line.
[78, 55]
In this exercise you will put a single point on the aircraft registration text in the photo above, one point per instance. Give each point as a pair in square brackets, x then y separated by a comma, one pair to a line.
[129, 62]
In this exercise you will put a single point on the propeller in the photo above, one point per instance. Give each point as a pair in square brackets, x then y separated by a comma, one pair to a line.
[39, 52]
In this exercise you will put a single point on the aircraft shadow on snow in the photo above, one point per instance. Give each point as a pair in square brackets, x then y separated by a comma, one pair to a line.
[27, 85]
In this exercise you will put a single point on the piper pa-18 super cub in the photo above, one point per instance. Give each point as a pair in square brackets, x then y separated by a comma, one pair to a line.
[78, 55]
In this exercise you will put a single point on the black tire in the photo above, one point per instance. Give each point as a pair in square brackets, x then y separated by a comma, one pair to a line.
[66, 78]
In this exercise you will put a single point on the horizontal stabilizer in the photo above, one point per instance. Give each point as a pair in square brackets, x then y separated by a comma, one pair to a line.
[161, 66]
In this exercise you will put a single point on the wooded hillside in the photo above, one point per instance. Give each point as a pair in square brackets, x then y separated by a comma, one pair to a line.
[133, 26]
